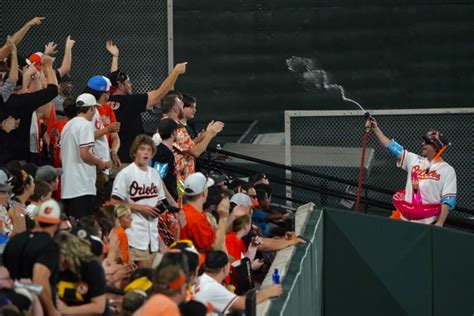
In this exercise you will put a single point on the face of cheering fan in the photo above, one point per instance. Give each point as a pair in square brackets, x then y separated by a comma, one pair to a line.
[143, 155]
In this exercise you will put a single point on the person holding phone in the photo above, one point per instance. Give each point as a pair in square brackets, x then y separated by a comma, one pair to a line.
[139, 187]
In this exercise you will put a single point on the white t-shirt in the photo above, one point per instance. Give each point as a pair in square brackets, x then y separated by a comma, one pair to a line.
[78, 178]
[439, 182]
[30, 210]
[34, 133]
[209, 291]
[134, 185]
[101, 148]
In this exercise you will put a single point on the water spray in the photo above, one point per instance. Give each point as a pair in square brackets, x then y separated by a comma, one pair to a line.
[319, 79]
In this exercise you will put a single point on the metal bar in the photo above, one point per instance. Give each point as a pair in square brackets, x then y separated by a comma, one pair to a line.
[247, 132]
[295, 169]
[381, 112]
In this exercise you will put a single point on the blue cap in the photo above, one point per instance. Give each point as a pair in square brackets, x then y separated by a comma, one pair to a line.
[99, 83]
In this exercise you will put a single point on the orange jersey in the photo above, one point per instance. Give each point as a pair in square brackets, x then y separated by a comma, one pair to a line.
[106, 117]
[55, 139]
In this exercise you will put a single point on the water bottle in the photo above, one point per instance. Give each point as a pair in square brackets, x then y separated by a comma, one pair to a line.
[276, 276]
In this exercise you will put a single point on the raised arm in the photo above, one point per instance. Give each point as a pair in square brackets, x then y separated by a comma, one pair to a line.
[13, 74]
[382, 139]
[155, 96]
[392, 146]
[67, 59]
[114, 51]
[19, 35]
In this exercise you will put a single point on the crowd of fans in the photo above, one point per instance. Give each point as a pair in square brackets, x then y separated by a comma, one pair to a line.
[98, 218]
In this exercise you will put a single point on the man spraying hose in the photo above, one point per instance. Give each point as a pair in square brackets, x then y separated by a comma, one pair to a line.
[430, 190]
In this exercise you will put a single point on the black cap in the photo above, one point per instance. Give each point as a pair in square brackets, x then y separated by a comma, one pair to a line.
[216, 260]
[166, 127]
[117, 76]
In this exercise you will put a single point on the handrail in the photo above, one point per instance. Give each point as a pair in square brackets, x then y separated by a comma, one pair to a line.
[305, 186]
[310, 187]
[296, 169]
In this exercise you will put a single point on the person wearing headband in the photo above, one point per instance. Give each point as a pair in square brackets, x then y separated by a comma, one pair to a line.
[430, 190]
[170, 290]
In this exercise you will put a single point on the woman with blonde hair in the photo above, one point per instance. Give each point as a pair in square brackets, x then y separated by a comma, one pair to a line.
[81, 281]
[117, 265]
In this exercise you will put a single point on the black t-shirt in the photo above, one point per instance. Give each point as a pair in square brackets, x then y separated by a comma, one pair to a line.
[76, 289]
[28, 248]
[165, 164]
[191, 129]
[22, 106]
[127, 110]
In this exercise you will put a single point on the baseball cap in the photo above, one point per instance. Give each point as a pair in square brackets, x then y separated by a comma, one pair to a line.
[117, 76]
[48, 173]
[36, 59]
[99, 83]
[216, 260]
[5, 179]
[86, 99]
[166, 127]
[48, 212]
[241, 199]
[196, 183]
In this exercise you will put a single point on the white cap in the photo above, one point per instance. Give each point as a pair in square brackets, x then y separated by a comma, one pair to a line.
[86, 99]
[196, 183]
[241, 199]
[48, 212]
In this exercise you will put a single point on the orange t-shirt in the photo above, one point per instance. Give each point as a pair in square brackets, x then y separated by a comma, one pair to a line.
[51, 120]
[235, 246]
[123, 244]
[106, 117]
[197, 229]
[55, 139]
[158, 304]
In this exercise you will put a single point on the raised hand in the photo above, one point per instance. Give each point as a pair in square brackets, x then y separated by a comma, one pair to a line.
[181, 68]
[50, 49]
[70, 42]
[35, 21]
[112, 48]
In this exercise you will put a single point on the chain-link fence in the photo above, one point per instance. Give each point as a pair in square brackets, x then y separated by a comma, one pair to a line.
[346, 128]
[140, 29]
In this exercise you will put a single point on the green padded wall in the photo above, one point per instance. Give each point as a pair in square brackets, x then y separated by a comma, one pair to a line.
[375, 266]
[302, 284]
[453, 278]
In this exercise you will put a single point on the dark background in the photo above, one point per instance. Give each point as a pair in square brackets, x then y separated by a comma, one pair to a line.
[386, 54]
